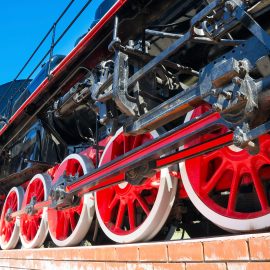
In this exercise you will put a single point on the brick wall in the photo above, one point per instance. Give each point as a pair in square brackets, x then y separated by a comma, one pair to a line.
[250, 252]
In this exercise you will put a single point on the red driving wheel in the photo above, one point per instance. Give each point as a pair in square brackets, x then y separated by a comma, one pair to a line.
[230, 186]
[129, 213]
[34, 226]
[9, 227]
[69, 226]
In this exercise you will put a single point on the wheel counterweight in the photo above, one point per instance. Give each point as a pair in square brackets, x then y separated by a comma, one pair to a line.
[10, 227]
[230, 186]
[69, 226]
[129, 213]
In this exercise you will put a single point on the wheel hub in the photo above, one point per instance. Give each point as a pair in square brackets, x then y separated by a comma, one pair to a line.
[123, 185]
[8, 217]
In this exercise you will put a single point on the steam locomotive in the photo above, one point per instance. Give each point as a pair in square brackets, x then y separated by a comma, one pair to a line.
[156, 122]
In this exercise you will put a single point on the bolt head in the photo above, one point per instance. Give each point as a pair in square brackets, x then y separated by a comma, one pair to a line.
[230, 6]
[213, 92]
[217, 107]
[227, 94]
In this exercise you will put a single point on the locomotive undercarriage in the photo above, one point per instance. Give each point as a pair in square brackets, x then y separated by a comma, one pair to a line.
[192, 88]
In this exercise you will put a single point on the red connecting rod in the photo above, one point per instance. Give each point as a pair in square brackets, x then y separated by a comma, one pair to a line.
[114, 172]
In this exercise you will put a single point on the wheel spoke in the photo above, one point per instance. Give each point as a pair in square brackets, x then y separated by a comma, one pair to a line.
[65, 225]
[143, 204]
[137, 141]
[131, 142]
[72, 221]
[151, 183]
[233, 191]
[8, 233]
[77, 209]
[28, 231]
[5, 233]
[3, 229]
[34, 187]
[210, 156]
[131, 214]
[206, 189]
[14, 204]
[120, 215]
[33, 229]
[39, 194]
[114, 202]
[116, 150]
[127, 143]
[259, 189]
[39, 186]
[72, 167]
[265, 156]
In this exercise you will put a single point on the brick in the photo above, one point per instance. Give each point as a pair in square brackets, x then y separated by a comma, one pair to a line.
[17, 263]
[35, 254]
[105, 254]
[83, 266]
[139, 266]
[259, 248]
[127, 254]
[204, 266]
[185, 251]
[86, 253]
[80, 254]
[115, 266]
[71, 265]
[169, 266]
[57, 265]
[54, 254]
[153, 253]
[249, 266]
[227, 250]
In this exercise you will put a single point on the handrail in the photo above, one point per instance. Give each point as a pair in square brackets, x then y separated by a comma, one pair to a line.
[49, 52]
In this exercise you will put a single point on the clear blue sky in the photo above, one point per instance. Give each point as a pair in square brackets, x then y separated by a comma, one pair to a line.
[23, 23]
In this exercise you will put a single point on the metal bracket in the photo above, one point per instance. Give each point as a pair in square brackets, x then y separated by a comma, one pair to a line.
[8, 215]
[249, 90]
[243, 137]
[120, 86]
[247, 21]
[123, 100]
[60, 198]
[30, 208]
[138, 175]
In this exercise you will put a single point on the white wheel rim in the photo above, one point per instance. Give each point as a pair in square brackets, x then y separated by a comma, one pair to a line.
[87, 212]
[13, 241]
[159, 212]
